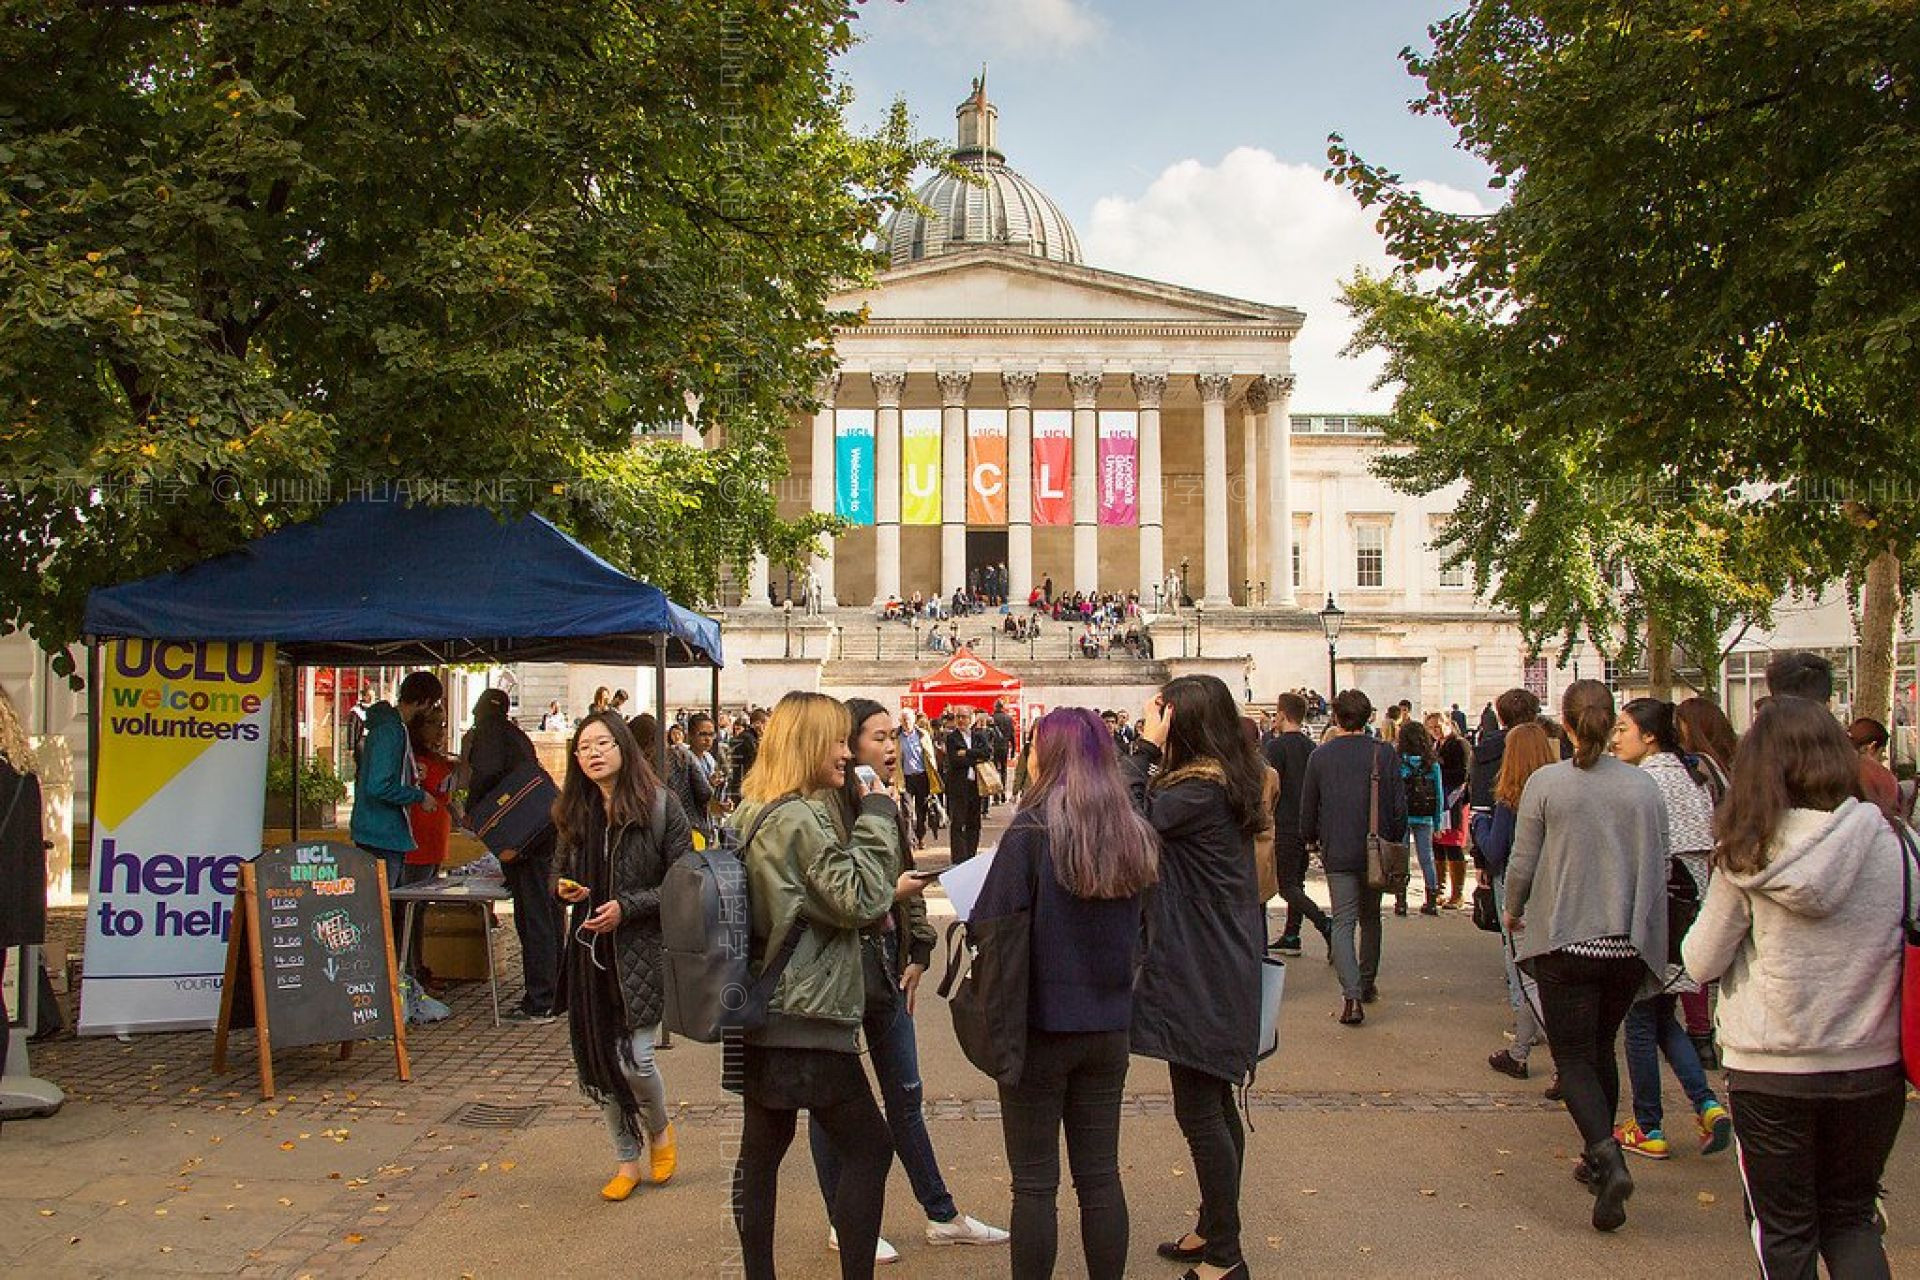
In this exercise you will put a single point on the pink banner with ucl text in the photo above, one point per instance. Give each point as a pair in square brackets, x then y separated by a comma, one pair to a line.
[1119, 467]
[1052, 466]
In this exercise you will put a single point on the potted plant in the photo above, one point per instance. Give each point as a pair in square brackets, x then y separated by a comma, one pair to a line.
[320, 791]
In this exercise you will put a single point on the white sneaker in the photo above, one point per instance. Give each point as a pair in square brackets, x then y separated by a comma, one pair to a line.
[883, 1253]
[964, 1230]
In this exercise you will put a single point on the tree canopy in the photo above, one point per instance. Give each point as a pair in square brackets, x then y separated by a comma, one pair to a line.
[257, 258]
[1691, 326]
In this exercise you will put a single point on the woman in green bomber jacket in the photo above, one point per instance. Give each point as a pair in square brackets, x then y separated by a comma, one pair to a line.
[803, 874]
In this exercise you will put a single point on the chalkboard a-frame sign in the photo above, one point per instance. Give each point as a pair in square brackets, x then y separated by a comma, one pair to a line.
[310, 955]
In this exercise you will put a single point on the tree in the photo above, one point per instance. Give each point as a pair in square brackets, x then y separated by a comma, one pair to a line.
[258, 258]
[1705, 270]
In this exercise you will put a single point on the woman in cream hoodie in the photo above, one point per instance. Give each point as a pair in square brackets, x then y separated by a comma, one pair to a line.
[1802, 926]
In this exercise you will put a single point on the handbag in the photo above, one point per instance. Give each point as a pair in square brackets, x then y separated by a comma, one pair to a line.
[1909, 960]
[987, 778]
[1273, 984]
[876, 975]
[989, 969]
[517, 812]
[1486, 913]
[1388, 869]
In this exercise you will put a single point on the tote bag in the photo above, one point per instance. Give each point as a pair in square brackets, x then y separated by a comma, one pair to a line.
[1388, 868]
[988, 967]
[1273, 984]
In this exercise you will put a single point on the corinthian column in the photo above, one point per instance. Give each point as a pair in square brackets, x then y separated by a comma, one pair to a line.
[1148, 388]
[887, 386]
[824, 391]
[953, 479]
[1213, 427]
[1086, 479]
[1279, 484]
[1019, 385]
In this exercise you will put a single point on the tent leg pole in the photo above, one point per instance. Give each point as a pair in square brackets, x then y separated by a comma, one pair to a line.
[660, 700]
[298, 734]
[715, 700]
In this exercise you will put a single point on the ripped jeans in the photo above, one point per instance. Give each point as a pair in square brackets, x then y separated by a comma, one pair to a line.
[896, 1061]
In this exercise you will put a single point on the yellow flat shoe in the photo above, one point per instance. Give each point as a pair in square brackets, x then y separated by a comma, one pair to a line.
[663, 1155]
[620, 1188]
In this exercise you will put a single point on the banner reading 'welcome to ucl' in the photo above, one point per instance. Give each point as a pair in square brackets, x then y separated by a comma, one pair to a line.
[177, 805]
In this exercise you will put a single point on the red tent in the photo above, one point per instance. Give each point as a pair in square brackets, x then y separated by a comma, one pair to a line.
[967, 681]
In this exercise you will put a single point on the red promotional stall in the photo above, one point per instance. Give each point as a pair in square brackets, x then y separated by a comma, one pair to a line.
[971, 682]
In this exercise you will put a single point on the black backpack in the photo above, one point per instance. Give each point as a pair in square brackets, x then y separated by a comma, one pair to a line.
[1423, 798]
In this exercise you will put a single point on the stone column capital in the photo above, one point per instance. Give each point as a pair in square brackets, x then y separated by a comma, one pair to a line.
[1213, 387]
[953, 387]
[1019, 385]
[1085, 386]
[1275, 386]
[1148, 388]
[1257, 396]
[826, 387]
[887, 386]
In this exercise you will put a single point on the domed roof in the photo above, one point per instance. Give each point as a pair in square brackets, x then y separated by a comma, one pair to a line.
[1002, 210]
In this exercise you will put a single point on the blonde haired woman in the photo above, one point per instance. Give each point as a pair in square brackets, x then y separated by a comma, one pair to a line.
[806, 872]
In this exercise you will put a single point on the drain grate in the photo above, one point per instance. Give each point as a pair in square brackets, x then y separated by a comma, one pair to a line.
[491, 1115]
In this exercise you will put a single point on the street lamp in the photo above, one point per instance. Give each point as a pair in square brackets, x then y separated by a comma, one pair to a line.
[1330, 619]
[1199, 629]
[786, 622]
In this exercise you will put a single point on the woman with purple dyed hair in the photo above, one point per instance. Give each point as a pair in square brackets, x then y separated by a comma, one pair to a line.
[1078, 856]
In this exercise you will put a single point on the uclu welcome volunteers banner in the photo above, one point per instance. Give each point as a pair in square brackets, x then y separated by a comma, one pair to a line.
[920, 466]
[177, 805]
[853, 465]
[1052, 466]
[1119, 474]
[987, 466]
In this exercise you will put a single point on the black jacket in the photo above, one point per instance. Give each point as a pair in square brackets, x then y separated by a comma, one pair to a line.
[494, 749]
[639, 866]
[1487, 754]
[23, 861]
[964, 751]
[1336, 805]
[1197, 1002]
[1287, 753]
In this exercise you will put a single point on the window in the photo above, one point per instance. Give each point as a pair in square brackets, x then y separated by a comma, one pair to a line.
[1610, 674]
[1296, 563]
[1451, 576]
[1533, 677]
[1370, 555]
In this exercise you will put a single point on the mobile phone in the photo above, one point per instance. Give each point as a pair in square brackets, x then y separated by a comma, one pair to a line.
[929, 876]
[868, 778]
[570, 885]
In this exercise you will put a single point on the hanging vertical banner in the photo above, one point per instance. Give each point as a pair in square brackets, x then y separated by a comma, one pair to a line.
[987, 466]
[1053, 466]
[1119, 467]
[177, 807]
[920, 466]
[853, 465]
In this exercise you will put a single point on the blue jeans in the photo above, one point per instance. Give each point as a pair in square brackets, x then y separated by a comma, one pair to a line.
[1522, 995]
[1422, 837]
[1651, 1031]
[896, 1061]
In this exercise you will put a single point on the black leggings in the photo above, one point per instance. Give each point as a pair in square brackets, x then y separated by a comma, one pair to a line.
[1072, 1081]
[1582, 1003]
[859, 1136]
[1203, 1107]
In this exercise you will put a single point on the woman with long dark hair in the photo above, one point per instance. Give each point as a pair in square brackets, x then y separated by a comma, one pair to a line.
[803, 875]
[1709, 743]
[1528, 750]
[1078, 857]
[1587, 905]
[1798, 923]
[895, 949]
[494, 747]
[619, 831]
[1197, 1005]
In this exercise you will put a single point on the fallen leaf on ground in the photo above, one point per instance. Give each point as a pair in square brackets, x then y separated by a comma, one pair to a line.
[1429, 1192]
[285, 1201]
[48, 1213]
[354, 1237]
[506, 1166]
[1707, 1197]
[286, 1146]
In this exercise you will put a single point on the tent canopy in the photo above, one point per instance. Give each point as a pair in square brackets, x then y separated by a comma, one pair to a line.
[966, 680]
[380, 584]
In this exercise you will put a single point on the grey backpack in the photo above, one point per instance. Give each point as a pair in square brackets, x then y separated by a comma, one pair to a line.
[706, 935]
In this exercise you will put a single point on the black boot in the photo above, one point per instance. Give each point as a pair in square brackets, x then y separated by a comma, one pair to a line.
[1612, 1184]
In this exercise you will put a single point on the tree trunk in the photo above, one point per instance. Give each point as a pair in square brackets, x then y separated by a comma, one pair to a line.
[1879, 622]
[1659, 659]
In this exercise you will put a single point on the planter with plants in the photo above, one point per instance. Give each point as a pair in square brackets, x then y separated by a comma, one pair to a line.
[321, 790]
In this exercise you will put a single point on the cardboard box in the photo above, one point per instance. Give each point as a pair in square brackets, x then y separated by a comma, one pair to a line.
[452, 944]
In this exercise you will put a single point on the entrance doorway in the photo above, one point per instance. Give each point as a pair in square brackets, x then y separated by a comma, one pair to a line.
[986, 549]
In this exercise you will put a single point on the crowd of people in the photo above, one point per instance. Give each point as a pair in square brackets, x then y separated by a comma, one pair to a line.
[1723, 899]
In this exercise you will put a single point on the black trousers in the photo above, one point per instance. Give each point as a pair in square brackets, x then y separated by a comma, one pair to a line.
[919, 791]
[1812, 1169]
[963, 811]
[859, 1135]
[1583, 1002]
[1203, 1107]
[540, 921]
[1075, 1082]
[1290, 867]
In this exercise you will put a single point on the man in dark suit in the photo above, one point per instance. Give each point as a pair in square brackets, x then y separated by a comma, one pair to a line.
[966, 748]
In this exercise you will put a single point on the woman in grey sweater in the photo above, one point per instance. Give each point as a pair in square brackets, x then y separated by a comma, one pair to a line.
[1587, 905]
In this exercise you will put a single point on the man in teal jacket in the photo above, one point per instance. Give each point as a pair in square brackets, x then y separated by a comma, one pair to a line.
[385, 787]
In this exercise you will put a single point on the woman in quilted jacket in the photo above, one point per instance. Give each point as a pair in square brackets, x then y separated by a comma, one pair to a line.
[619, 831]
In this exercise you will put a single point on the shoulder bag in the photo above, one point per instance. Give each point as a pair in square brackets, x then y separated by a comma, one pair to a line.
[1909, 960]
[517, 812]
[989, 971]
[1387, 866]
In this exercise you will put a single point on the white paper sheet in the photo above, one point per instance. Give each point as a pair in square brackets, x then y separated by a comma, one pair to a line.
[962, 884]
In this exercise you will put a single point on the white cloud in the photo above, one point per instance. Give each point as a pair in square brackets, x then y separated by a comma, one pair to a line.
[1255, 227]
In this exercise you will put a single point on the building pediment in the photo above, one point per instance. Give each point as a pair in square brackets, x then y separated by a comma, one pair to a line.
[994, 285]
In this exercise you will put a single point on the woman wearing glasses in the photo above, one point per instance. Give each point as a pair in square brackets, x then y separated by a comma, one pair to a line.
[619, 831]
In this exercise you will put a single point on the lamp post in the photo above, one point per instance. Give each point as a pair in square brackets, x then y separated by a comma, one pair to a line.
[1199, 629]
[1330, 619]
[916, 641]
[876, 642]
[786, 623]
[1185, 595]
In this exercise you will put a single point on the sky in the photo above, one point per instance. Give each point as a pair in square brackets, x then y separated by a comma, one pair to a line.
[1187, 142]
